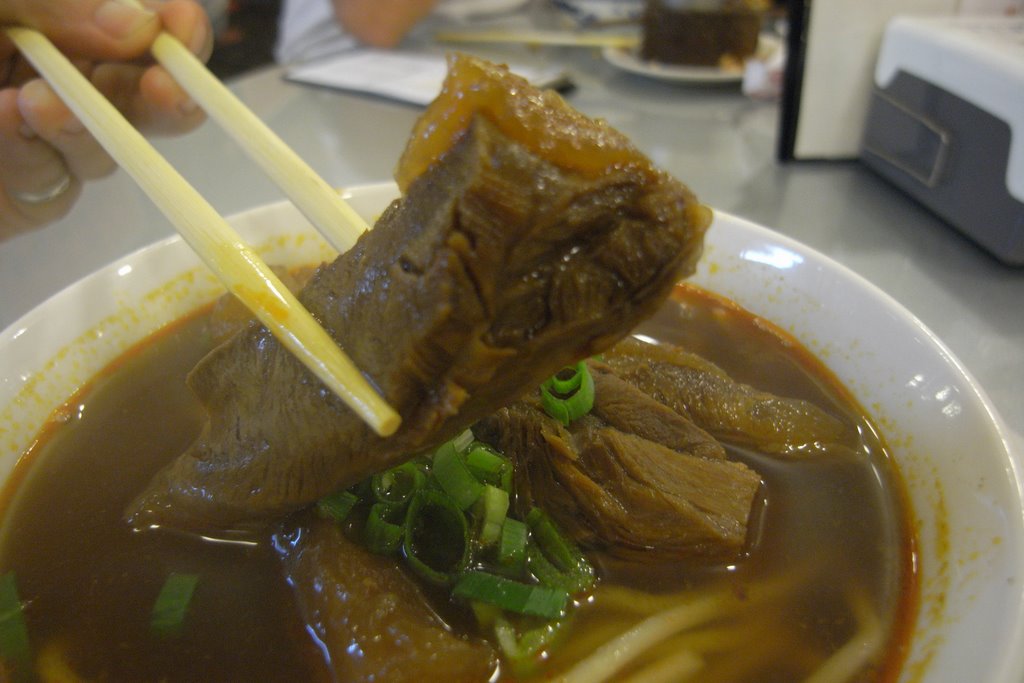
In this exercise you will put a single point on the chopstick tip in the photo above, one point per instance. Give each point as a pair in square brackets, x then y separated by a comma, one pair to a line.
[387, 424]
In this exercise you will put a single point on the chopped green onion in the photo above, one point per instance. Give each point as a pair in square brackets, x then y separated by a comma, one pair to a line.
[507, 639]
[14, 643]
[448, 514]
[506, 479]
[547, 573]
[486, 614]
[436, 540]
[550, 539]
[577, 399]
[337, 506]
[522, 651]
[364, 489]
[569, 569]
[383, 536]
[531, 642]
[454, 477]
[463, 441]
[512, 545]
[171, 604]
[566, 385]
[494, 504]
[514, 596]
[398, 484]
[485, 464]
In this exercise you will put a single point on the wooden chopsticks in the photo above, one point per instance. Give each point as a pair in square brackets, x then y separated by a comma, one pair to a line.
[317, 200]
[218, 245]
[538, 37]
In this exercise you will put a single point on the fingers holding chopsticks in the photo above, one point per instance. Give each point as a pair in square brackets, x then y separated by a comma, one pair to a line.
[37, 187]
[46, 153]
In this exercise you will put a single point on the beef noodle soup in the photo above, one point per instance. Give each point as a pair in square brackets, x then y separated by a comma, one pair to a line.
[823, 587]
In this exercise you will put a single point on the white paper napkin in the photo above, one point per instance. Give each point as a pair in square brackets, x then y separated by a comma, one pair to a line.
[409, 77]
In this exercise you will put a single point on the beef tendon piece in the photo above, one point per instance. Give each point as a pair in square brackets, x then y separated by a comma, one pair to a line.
[731, 411]
[371, 619]
[497, 267]
[538, 120]
[621, 491]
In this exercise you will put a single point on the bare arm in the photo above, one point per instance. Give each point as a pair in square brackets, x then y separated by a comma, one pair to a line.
[381, 23]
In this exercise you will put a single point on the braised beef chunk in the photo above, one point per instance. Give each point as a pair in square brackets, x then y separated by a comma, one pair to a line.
[621, 492]
[643, 475]
[732, 412]
[495, 269]
[628, 409]
[372, 621]
[633, 477]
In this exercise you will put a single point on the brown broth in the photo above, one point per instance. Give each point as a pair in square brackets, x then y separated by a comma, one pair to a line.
[833, 522]
[89, 582]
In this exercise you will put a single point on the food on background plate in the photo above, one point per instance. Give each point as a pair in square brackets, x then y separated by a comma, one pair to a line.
[556, 503]
[711, 33]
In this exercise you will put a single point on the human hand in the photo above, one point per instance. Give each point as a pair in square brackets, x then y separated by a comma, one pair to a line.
[45, 152]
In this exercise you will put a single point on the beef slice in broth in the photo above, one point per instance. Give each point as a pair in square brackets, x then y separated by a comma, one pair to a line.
[370, 618]
[631, 477]
[731, 411]
[505, 259]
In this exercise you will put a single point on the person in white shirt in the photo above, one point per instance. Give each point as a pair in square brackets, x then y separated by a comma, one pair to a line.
[312, 28]
[309, 29]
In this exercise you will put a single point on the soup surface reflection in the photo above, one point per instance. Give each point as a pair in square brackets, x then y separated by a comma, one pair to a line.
[831, 539]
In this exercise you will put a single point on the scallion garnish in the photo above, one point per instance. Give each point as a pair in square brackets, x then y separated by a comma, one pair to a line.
[337, 506]
[522, 650]
[447, 515]
[553, 559]
[559, 550]
[568, 394]
[567, 380]
[494, 507]
[384, 529]
[454, 477]
[14, 643]
[171, 604]
[485, 464]
[398, 484]
[463, 440]
[514, 596]
[436, 540]
[512, 545]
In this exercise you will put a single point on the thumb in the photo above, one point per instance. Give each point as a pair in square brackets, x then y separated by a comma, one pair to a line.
[94, 29]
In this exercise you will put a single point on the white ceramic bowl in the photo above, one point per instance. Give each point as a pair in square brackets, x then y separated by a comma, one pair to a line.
[963, 478]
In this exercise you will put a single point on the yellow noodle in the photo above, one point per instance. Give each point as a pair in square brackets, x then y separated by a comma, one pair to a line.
[53, 667]
[585, 640]
[858, 651]
[641, 602]
[717, 639]
[611, 657]
[638, 602]
[671, 614]
[743, 663]
[675, 668]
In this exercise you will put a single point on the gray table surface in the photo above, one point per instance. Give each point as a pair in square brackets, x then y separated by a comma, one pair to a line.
[715, 139]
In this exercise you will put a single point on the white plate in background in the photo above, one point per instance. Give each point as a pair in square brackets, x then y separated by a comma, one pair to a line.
[629, 59]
